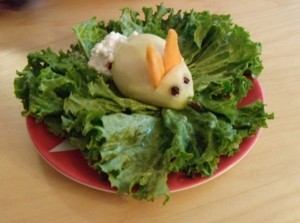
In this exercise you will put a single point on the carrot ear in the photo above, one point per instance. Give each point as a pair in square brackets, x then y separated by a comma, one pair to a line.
[155, 65]
[172, 55]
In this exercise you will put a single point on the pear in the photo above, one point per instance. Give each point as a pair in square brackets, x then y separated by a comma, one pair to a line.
[139, 71]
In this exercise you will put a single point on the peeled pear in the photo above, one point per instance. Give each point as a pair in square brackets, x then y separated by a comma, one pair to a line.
[131, 75]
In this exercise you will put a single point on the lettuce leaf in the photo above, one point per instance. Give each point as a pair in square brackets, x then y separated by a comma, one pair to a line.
[90, 33]
[137, 145]
[135, 166]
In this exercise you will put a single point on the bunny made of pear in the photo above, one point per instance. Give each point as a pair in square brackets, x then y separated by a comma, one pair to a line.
[145, 67]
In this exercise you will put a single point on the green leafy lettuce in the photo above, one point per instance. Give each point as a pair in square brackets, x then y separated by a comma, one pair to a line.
[137, 145]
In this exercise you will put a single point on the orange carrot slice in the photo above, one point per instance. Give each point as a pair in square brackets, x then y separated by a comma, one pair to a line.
[155, 65]
[172, 55]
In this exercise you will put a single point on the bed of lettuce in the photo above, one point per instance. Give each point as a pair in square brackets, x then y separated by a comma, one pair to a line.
[133, 144]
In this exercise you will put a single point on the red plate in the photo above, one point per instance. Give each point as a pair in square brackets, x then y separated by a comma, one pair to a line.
[72, 164]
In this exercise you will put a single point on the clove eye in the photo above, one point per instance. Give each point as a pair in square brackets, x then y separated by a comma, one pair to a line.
[109, 66]
[186, 80]
[175, 90]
